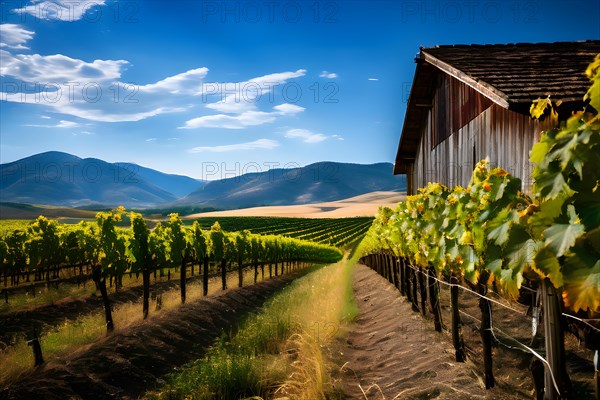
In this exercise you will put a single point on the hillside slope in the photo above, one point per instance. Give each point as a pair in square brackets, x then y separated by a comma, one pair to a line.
[61, 179]
[319, 182]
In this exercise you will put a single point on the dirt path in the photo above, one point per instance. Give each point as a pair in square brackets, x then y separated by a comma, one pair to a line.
[126, 364]
[392, 353]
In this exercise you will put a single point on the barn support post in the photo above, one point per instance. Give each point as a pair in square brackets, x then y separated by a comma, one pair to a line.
[555, 344]
[457, 338]
[434, 300]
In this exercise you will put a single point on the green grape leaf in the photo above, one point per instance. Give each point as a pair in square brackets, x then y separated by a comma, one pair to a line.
[560, 237]
[587, 205]
[547, 263]
[551, 183]
[539, 152]
[511, 282]
[582, 279]
[500, 226]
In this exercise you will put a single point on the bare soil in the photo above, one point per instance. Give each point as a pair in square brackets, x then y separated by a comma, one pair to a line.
[126, 364]
[393, 352]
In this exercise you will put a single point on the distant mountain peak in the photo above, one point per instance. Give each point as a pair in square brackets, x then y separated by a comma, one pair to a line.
[62, 179]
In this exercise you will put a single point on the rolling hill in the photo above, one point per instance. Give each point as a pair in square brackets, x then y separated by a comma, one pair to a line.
[319, 182]
[61, 179]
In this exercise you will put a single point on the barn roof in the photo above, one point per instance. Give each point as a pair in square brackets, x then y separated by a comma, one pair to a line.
[511, 75]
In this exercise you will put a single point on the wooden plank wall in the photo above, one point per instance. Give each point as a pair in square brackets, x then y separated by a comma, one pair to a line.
[502, 136]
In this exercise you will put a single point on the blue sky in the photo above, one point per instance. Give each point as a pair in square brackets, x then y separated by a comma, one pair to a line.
[190, 87]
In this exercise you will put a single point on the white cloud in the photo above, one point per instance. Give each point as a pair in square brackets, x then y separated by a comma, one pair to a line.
[373, 79]
[189, 82]
[87, 133]
[338, 137]
[14, 36]
[257, 144]
[152, 139]
[58, 69]
[243, 120]
[231, 105]
[61, 10]
[288, 109]
[92, 90]
[240, 97]
[45, 117]
[240, 121]
[305, 135]
[61, 124]
[328, 75]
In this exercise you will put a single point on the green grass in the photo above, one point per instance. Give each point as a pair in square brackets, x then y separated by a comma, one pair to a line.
[278, 352]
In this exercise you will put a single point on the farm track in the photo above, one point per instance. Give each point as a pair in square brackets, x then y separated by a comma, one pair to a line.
[392, 352]
[128, 363]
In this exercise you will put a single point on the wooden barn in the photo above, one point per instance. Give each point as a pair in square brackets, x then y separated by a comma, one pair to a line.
[470, 102]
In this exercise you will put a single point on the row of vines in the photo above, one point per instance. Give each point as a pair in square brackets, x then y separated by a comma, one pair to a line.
[45, 246]
[491, 233]
[333, 231]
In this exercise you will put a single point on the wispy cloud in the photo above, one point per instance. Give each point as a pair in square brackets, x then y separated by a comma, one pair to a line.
[59, 10]
[328, 75]
[338, 137]
[243, 120]
[189, 82]
[92, 90]
[305, 135]
[152, 139]
[61, 124]
[257, 144]
[373, 79]
[14, 36]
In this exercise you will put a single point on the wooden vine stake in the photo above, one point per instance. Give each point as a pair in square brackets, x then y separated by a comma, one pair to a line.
[434, 300]
[413, 284]
[423, 290]
[407, 280]
[485, 330]
[457, 339]
[395, 270]
[555, 344]
[402, 276]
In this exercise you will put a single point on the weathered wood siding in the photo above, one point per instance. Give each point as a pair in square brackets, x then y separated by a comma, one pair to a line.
[502, 136]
